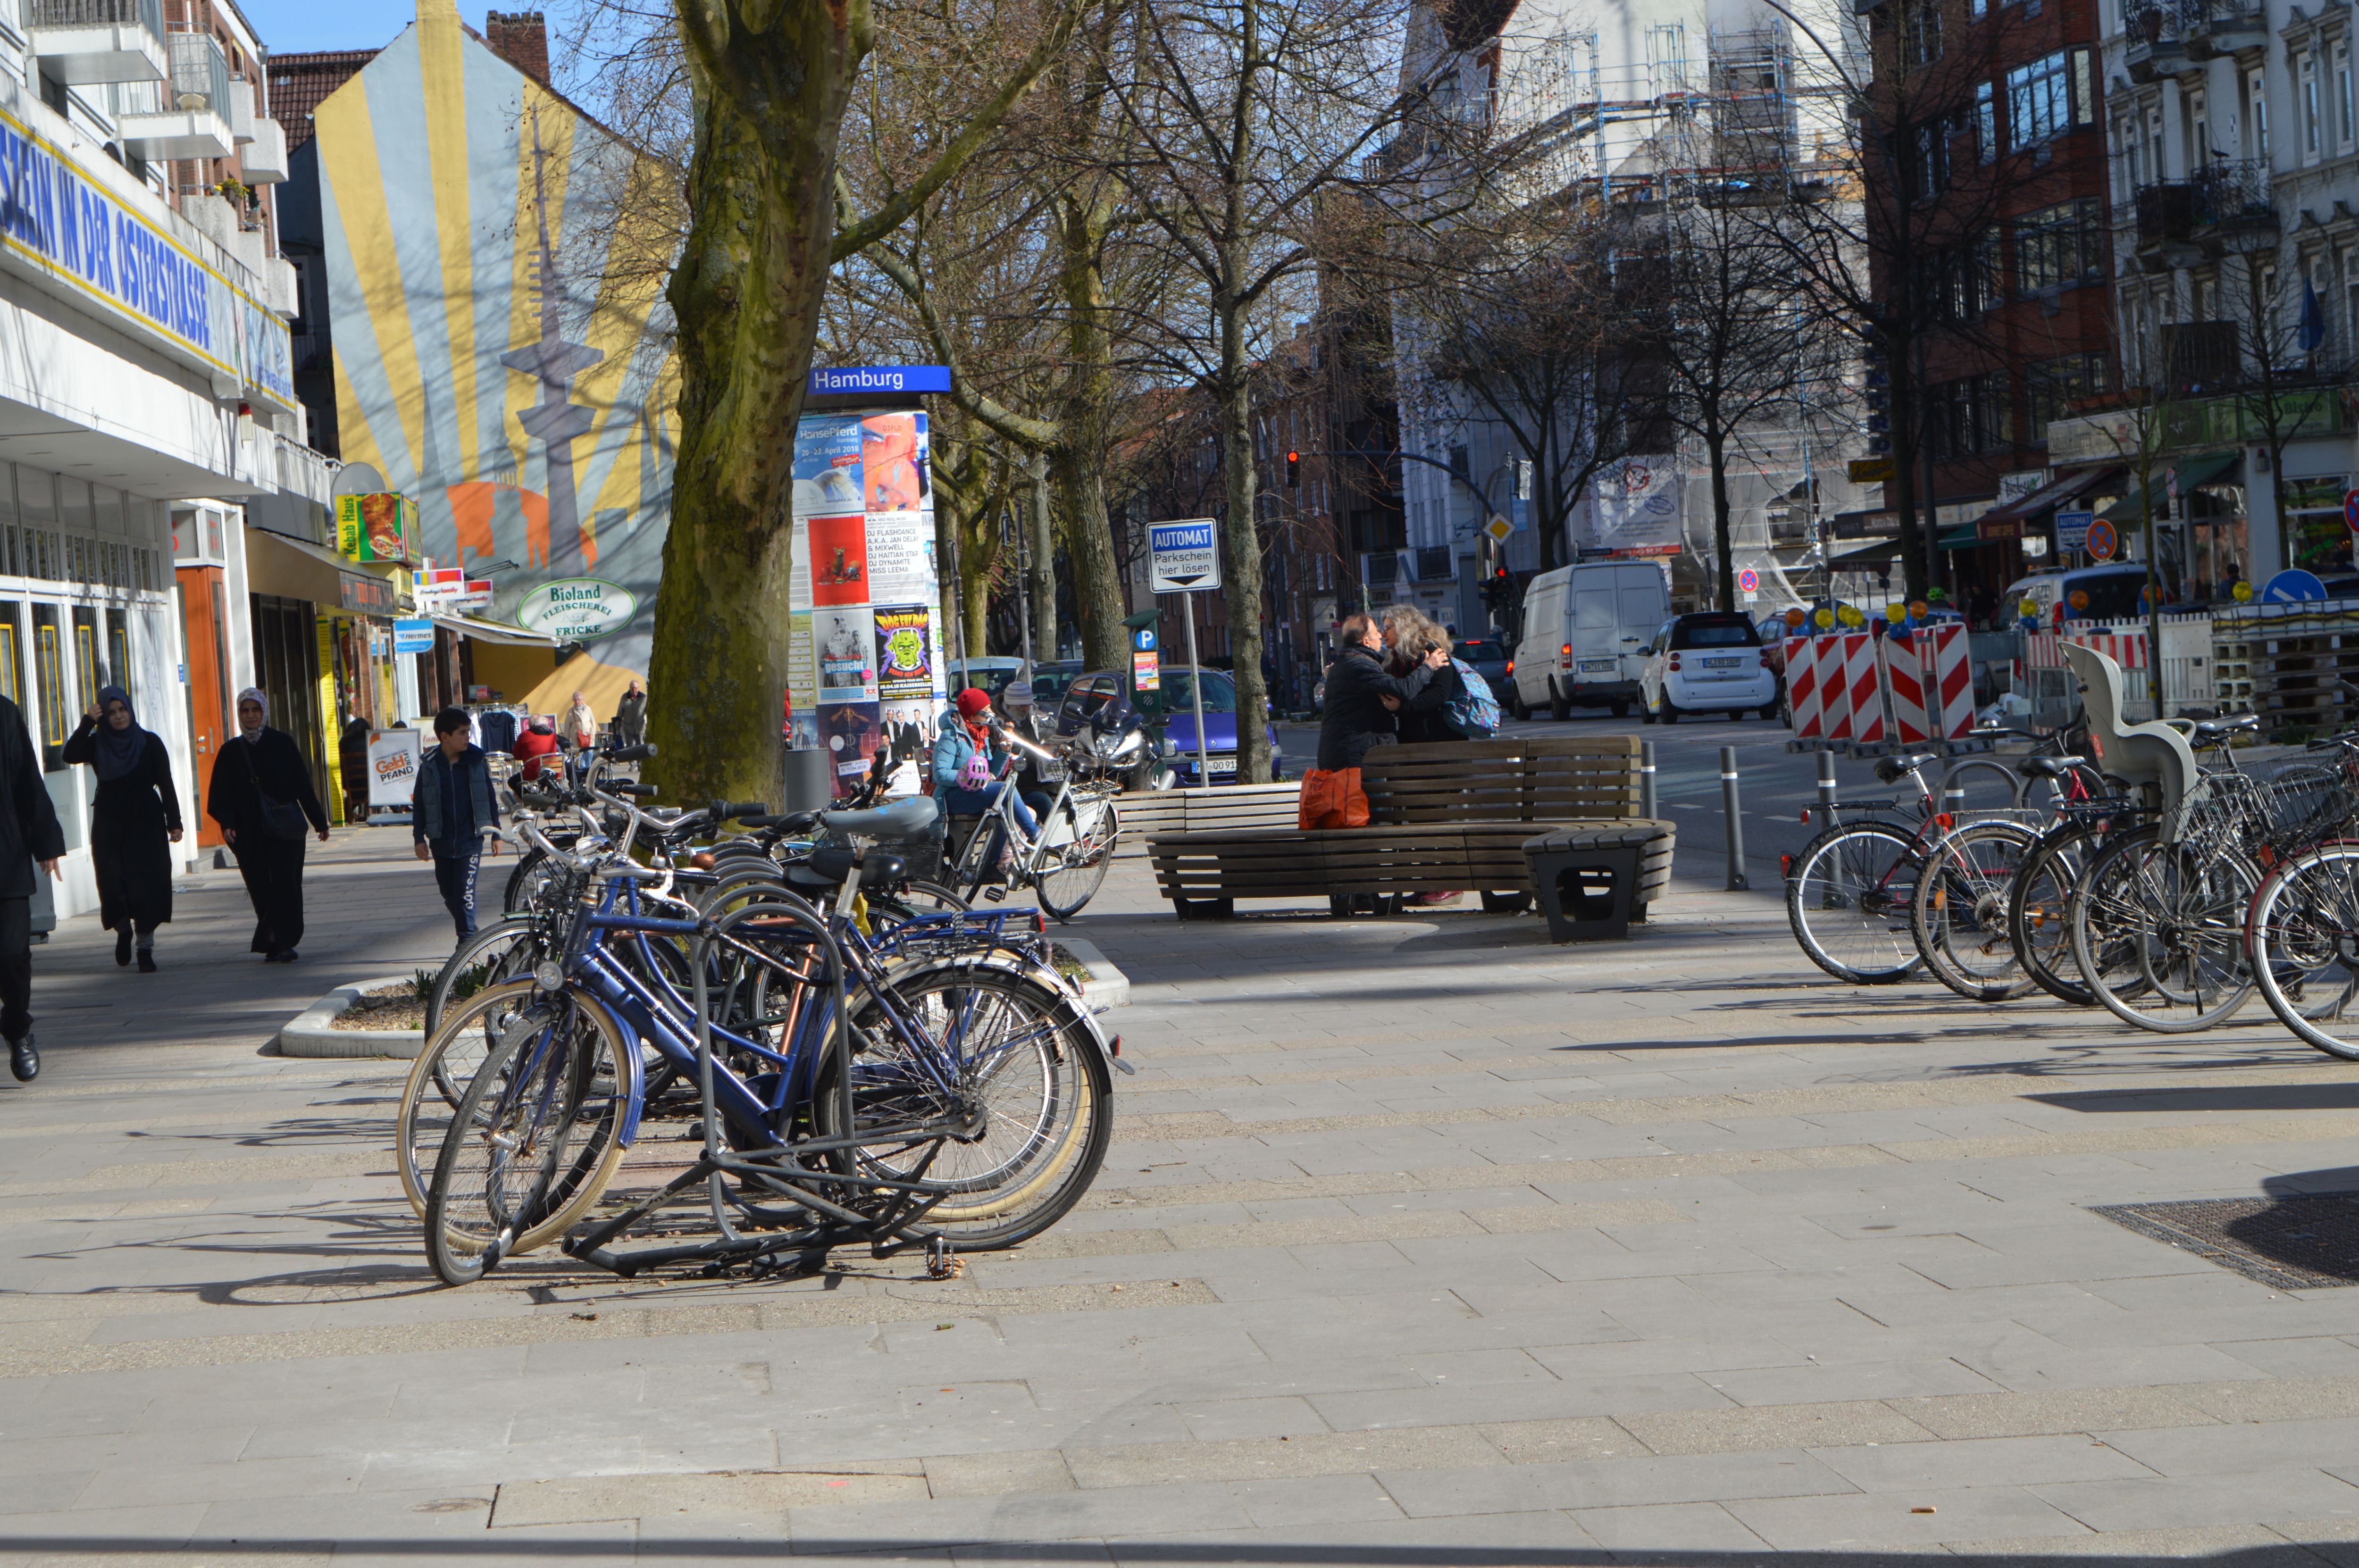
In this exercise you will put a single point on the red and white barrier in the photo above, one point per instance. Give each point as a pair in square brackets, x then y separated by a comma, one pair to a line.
[1948, 680]
[1805, 692]
[1863, 675]
[1904, 678]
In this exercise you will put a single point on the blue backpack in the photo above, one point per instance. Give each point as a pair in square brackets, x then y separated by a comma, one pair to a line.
[1475, 708]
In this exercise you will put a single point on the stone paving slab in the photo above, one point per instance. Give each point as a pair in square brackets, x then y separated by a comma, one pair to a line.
[1420, 1242]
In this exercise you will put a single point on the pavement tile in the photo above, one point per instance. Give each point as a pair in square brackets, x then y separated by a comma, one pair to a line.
[2244, 1497]
[1814, 1426]
[1889, 1520]
[1980, 1462]
[1612, 1482]
[2033, 1414]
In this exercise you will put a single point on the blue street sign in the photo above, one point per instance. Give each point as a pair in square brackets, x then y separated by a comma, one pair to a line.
[413, 636]
[2289, 587]
[1143, 639]
[2072, 530]
[894, 379]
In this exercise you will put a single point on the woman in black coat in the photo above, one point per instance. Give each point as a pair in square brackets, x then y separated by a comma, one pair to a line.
[260, 783]
[136, 815]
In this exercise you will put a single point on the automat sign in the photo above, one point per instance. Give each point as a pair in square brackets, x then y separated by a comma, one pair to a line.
[1185, 556]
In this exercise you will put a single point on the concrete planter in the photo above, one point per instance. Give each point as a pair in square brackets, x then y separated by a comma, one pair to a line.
[312, 1033]
[1107, 987]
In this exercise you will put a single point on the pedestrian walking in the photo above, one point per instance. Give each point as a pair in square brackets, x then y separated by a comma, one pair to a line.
[581, 724]
[262, 797]
[134, 817]
[453, 808]
[29, 832]
[537, 743]
[352, 761]
[631, 717]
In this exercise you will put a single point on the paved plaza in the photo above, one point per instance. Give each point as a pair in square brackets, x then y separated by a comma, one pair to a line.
[1421, 1242]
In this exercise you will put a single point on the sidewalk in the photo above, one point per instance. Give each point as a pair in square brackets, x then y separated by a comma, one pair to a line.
[1421, 1242]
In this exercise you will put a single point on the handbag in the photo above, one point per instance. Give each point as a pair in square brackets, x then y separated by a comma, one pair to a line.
[1332, 798]
[279, 819]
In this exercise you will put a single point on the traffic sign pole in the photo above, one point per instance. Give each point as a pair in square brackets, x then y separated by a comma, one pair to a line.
[1184, 557]
[1196, 694]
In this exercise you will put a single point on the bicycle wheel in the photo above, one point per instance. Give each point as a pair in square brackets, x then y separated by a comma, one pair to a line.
[1025, 1081]
[533, 873]
[492, 956]
[438, 1079]
[533, 1140]
[2305, 946]
[913, 900]
[1080, 846]
[1848, 898]
[1979, 787]
[2158, 933]
[1959, 915]
[2036, 926]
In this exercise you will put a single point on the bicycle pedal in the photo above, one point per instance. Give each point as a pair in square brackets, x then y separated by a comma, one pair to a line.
[994, 893]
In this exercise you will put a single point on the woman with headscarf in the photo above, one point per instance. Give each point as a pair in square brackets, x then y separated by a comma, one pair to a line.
[581, 723]
[136, 815]
[262, 797]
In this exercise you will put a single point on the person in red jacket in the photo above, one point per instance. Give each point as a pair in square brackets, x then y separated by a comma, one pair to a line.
[535, 744]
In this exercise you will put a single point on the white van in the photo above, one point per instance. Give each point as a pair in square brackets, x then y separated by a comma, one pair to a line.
[1585, 633]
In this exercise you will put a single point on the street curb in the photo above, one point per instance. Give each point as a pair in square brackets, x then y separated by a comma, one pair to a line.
[1107, 987]
[311, 1034]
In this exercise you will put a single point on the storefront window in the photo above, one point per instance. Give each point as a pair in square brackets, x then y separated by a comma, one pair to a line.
[89, 668]
[49, 666]
[12, 653]
[118, 650]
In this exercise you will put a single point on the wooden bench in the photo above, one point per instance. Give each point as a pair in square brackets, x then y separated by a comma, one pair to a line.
[1149, 814]
[1446, 817]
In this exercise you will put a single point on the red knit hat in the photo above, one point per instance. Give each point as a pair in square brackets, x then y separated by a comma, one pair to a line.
[973, 701]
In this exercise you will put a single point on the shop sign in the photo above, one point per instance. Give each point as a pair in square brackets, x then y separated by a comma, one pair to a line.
[393, 766]
[1993, 528]
[577, 609]
[413, 636]
[368, 595]
[373, 527]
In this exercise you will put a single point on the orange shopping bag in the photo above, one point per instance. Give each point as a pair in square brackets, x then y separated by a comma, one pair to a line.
[1332, 798]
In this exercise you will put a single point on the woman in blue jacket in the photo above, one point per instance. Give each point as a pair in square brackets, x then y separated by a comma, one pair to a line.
[967, 759]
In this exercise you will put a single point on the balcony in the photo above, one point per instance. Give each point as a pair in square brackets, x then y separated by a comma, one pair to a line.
[187, 116]
[85, 42]
[241, 109]
[2166, 225]
[2155, 48]
[2233, 210]
[263, 161]
[2214, 28]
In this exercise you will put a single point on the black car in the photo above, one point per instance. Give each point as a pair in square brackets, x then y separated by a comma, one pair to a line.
[1488, 655]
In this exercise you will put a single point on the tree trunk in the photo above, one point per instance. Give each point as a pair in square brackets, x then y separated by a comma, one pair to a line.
[1079, 468]
[1082, 457]
[1723, 546]
[1242, 578]
[769, 102]
[1043, 549]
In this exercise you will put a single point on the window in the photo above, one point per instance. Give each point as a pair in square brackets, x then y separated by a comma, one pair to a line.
[2199, 131]
[2125, 137]
[49, 667]
[2157, 170]
[2052, 386]
[1925, 32]
[1985, 122]
[2039, 100]
[2059, 244]
[118, 650]
[1969, 416]
[2256, 113]
[2310, 127]
[2345, 121]
[1929, 156]
[89, 675]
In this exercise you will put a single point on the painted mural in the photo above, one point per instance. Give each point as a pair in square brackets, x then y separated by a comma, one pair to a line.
[499, 356]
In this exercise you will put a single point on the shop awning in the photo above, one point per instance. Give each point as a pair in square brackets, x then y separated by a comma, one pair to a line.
[317, 552]
[492, 631]
[2193, 473]
[2044, 499]
[1868, 557]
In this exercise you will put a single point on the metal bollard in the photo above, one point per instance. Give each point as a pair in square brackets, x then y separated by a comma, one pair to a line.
[1736, 882]
[1826, 789]
[1646, 801]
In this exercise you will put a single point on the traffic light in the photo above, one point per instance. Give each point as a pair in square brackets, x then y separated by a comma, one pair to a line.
[1293, 469]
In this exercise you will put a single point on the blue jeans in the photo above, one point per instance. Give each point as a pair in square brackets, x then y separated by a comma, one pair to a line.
[455, 875]
[975, 802]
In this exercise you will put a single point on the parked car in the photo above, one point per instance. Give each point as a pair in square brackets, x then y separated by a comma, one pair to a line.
[1488, 657]
[1584, 642]
[2112, 592]
[987, 672]
[1170, 711]
[1052, 678]
[1712, 660]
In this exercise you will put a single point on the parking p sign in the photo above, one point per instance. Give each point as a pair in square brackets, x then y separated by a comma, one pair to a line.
[1184, 557]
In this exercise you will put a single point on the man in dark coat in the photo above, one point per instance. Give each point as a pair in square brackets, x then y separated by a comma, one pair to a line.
[1357, 717]
[133, 820]
[29, 832]
[631, 717]
[451, 807]
[262, 795]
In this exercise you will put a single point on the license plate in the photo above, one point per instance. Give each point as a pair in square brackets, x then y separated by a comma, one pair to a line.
[1223, 765]
[1597, 666]
[1719, 663]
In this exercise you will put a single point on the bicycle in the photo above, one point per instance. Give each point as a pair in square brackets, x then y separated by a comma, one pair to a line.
[1065, 864]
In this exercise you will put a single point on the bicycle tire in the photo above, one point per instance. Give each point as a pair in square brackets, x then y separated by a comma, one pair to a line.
[2320, 935]
[2163, 927]
[1959, 915]
[458, 970]
[558, 1105]
[1064, 891]
[1013, 1182]
[469, 1034]
[1848, 871]
[2036, 926]
[1975, 767]
[532, 874]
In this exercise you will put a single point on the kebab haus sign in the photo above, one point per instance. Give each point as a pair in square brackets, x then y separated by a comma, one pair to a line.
[376, 528]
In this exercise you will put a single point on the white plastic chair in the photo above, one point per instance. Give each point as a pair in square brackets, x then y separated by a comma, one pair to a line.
[2154, 756]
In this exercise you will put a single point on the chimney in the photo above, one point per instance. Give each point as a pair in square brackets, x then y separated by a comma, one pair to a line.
[521, 38]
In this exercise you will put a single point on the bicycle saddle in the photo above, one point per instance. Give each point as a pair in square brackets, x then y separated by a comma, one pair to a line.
[1892, 769]
[2052, 767]
[824, 871]
[898, 820]
[2212, 728]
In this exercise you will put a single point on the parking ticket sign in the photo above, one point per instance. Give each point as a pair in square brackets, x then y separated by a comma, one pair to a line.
[1184, 557]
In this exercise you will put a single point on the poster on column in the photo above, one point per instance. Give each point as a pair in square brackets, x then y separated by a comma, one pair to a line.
[852, 732]
[904, 653]
[899, 508]
[846, 640]
[802, 683]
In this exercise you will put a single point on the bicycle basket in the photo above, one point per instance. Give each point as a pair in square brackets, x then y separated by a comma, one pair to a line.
[2305, 806]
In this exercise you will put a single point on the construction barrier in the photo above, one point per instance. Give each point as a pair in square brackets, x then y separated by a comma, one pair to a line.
[1805, 692]
[2188, 668]
[1858, 688]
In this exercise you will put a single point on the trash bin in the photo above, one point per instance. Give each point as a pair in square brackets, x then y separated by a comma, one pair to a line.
[1588, 879]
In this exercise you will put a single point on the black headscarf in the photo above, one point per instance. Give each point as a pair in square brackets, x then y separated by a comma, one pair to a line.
[119, 751]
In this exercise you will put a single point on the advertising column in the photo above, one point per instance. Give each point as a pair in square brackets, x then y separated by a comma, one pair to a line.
[865, 658]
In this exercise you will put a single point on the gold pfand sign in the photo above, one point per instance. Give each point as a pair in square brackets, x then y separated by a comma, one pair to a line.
[373, 527]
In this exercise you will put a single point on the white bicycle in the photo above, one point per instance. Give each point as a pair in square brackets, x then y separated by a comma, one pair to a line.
[1065, 864]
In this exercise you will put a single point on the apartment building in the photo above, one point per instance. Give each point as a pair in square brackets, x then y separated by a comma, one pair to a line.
[145, 388]
[2232, 140]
